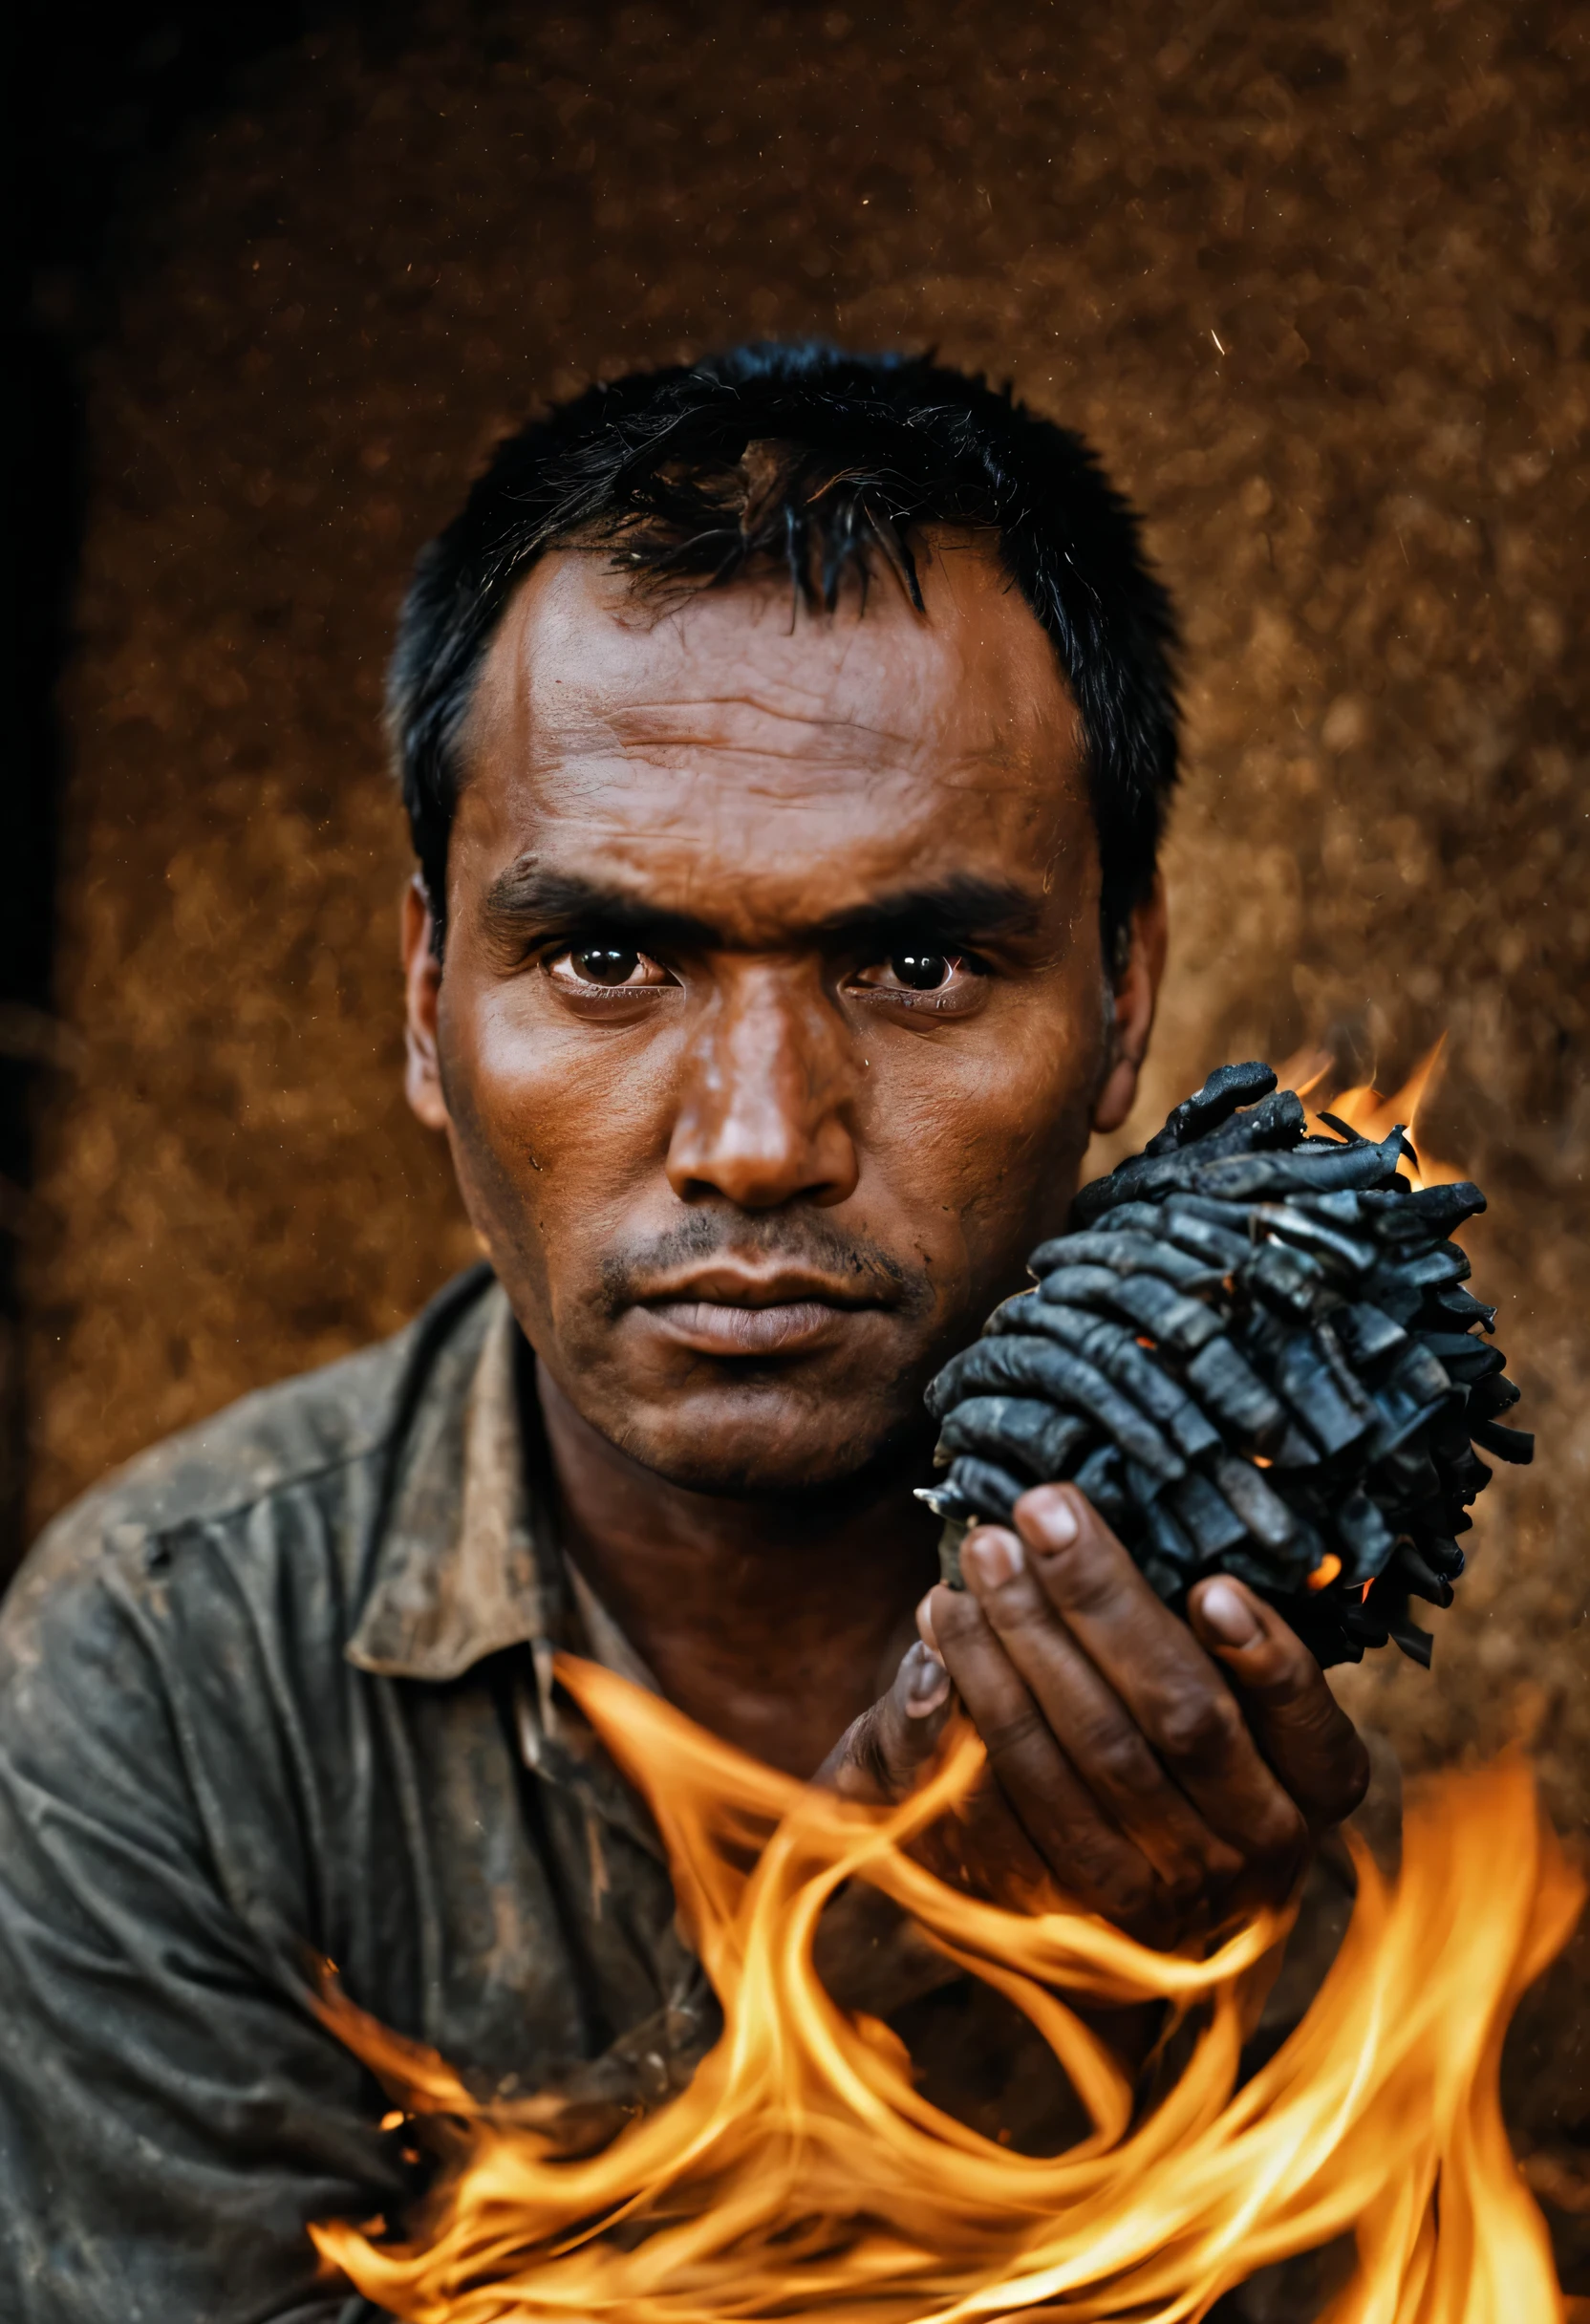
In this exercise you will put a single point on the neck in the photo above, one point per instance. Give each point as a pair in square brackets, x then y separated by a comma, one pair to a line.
[772, 1622]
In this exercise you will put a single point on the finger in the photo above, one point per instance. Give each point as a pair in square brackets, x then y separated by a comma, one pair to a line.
[1175, 1692]
[982, 1848]
[924, 1624]
[1083, 1849]
[1302, 1730]
[1095, 1729]
[883, 1755]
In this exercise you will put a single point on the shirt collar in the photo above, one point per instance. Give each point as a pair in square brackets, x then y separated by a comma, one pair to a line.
[470, 1563]
[467, 1564]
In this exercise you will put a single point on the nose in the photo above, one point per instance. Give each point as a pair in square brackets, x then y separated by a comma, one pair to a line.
[763, 1114]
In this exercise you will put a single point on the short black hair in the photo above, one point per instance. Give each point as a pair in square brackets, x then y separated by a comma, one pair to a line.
[820, 463]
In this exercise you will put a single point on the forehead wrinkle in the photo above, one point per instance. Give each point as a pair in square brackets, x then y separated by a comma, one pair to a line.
[693, 705]
[748, 724]
[765, 704]
[659, 735]
[646, 742]
[705, 789]
[663, 722]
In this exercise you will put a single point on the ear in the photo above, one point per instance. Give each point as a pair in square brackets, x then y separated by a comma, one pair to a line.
[1136, 993]
[422, 994]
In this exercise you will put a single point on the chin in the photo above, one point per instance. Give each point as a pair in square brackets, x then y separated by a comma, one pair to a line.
[746, 1456]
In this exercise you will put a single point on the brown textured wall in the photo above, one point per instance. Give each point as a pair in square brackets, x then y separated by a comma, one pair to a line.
[1316, 282]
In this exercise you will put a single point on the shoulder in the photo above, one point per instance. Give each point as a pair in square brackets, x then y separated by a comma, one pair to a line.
[315, 1443]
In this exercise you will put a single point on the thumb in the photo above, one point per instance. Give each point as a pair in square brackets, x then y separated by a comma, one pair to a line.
[881, 1755]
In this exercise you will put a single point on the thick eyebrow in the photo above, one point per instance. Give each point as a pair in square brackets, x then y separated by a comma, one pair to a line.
[964, 909]
[562, 903]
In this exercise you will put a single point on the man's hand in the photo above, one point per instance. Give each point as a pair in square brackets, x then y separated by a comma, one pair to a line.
[1164, 1772]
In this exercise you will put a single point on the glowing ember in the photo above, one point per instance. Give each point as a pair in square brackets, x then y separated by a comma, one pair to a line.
[802, 2173]
[1365, 1109]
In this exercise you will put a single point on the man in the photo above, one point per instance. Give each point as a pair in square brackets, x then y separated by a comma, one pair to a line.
[786, 744]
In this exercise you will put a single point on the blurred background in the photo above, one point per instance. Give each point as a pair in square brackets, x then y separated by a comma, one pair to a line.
[1314, 281]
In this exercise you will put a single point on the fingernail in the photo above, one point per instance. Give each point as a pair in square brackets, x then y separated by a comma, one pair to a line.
[924, 1624]
[927, 1682]
[994, 1555]
[1055, 1519]
[1226, 1612]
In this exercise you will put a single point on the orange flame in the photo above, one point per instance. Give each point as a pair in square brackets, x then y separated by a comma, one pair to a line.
[803, 2174]
[1363, 1108]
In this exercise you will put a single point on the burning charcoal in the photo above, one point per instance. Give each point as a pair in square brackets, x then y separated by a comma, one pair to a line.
[1227, 1087]
[1489, 1397]
[1275, 1121]
[1444, 1556]
[1327, 1243]
[1366, 1539]
[1419, 1372]
[1119, 1358]
[1253, 1352]
[1306, 1380]
[1015, 1429]
[1445, 1264]
[1077, 1287]
[1406, 1475]
[1102, 1477]
[1268, 1176]
[1203, 1238]
[1207, 1516]
[1143, 1486]
[1366, 1335]
[1236, 1218]
[1465, 1476]
[1507, 1444]
[1234, 1391]
[1264, 1514]
[1441, 1208]
[1362, 1630]
[1037, 1366]
[1131, 1218]
[1127, 1254]
[1147, 1300]
[1343, 1209]
[1294, 1451]
[1342, 1371]
[1398, 1416]
[984, 1489]
[1461, 1357]
[1401, 1302]
[1168, 1548]
[1460, 1307]
[1289, 1279]
[1421, 1578]
[1416, 1643]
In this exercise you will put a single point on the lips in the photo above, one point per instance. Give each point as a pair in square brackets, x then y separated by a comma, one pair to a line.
[726, 1311]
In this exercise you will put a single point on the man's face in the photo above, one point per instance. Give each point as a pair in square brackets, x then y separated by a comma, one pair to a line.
[773, 1018]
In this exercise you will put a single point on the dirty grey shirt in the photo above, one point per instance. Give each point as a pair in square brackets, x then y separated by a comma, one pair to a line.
[281, 1692]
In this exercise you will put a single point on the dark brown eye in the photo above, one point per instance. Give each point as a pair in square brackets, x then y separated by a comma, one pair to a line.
[923, 971]
[918, 973]
[605, 964]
